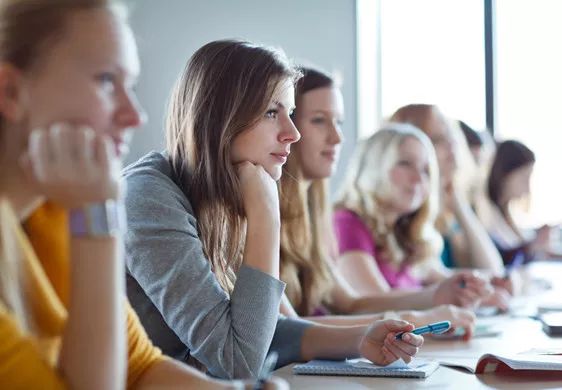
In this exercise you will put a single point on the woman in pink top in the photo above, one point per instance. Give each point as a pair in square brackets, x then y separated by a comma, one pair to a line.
[385, 214]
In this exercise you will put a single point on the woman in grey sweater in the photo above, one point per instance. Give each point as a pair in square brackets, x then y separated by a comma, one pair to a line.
[204, 225]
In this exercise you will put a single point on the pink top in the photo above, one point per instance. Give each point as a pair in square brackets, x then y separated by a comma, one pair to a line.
[353, 235]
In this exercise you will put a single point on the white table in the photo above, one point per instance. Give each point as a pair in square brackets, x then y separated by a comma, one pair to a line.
[518, 334]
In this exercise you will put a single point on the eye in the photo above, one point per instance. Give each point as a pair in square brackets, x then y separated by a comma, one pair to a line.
[107, 80]
[404, 163]
[318, 120]
[273, 113]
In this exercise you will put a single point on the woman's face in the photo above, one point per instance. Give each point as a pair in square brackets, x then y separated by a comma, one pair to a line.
[440, 135]
[518, 183]
[86, 78]
[319, 117]
[410, 177]
[268, 143]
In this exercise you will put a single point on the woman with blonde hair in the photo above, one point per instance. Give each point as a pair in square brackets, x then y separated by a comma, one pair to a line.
[203, 239]
[466, 242]
[308, 246]
[384, 220]
[67, 71]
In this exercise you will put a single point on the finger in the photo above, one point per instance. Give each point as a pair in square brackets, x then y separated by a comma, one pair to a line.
[412, 339]
[398, 352]
[389, 356]
[39, 154]
[62, 149]
[406, 346]
[105, 152]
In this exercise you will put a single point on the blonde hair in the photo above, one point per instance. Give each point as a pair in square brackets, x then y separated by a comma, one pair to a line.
[367, 192]
[224, 90]
[306, 235]
[27, 29]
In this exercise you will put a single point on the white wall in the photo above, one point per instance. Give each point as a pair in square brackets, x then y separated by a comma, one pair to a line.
[169, 31]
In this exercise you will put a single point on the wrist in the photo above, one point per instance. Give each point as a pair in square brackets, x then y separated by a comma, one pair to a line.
[97, 220]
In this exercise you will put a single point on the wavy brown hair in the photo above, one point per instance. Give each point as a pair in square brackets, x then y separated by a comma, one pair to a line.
[27, 29]
[224, 89]
[306, 221]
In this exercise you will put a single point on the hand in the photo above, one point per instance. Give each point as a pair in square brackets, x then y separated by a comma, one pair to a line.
[273, 383]
[259, 190]
[465, 289]
[459, 318]
[499, 298]
[505, 283]
[72, 166]
[380, 346]
[541, 242]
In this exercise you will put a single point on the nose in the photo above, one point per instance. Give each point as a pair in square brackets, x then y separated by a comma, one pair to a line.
[130, 114]
[335, 136]
[289, 133]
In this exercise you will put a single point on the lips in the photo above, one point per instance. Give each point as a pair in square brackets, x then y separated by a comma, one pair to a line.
[281, 157]
[121, 147]
[329, 154]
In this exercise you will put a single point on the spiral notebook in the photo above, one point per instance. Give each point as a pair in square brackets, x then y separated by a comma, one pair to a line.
[418, 368]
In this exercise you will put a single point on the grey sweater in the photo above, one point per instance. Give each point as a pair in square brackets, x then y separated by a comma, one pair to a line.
[178, 298]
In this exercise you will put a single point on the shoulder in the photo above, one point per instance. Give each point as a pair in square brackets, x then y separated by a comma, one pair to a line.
[348, 219]
[150, 181]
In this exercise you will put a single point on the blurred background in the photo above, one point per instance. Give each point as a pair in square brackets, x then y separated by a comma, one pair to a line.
[497, 65]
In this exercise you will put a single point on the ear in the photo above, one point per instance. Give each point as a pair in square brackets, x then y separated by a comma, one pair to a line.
[11, 92]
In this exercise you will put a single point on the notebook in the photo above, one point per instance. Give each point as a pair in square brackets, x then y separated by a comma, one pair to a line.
[489, 363]
[418, 368]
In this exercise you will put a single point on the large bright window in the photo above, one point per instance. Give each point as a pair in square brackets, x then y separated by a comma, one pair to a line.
[529, 94]
[432, 51]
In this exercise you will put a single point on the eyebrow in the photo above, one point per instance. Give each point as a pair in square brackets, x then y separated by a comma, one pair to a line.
[281, 105]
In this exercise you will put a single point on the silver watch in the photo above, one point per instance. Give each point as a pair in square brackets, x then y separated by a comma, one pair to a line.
[97, 219]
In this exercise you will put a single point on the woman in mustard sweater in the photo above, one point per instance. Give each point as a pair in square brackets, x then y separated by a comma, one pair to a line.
[67, 68]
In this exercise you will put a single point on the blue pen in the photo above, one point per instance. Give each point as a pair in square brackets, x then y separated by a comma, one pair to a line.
[435, 328]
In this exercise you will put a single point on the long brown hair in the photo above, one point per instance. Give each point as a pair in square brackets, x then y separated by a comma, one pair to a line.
[306, 233]
[510, 156]
[27, 29]
[224, 89]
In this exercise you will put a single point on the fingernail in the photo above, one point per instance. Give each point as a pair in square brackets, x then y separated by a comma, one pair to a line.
[407, 337]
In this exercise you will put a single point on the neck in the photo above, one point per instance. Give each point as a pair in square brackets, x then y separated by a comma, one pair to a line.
[390, 217]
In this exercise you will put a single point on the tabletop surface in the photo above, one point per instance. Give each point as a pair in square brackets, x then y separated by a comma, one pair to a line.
[518, 333]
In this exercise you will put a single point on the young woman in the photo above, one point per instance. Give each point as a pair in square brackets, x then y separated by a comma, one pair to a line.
[466, 243]
[203, 219]
[509, 180]
[67, 68]
[308, 250]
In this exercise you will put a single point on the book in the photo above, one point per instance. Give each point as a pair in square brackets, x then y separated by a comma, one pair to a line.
[533, 360]
[417, 368]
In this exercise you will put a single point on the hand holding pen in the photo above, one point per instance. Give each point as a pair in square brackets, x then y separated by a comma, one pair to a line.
[265, 381]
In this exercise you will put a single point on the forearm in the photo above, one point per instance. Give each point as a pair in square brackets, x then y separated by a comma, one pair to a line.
[483, 253]
[343, 342]
[261, 250]
[173, 375]
[394, 300]
[93, 347]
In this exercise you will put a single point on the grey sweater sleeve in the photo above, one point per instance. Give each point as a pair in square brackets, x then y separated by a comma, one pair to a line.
[229, 335]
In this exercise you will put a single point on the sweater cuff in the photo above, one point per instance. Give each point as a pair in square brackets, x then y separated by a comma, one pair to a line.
[287, 339]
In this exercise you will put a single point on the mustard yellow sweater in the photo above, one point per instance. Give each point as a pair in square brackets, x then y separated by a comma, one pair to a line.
[29, 361]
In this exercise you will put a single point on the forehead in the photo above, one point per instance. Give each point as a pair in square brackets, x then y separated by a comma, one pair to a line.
[411, 146]
[96, 37]
[285, 93]
[324, 99]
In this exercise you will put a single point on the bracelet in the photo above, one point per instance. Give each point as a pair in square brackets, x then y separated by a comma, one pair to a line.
[97, 219]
